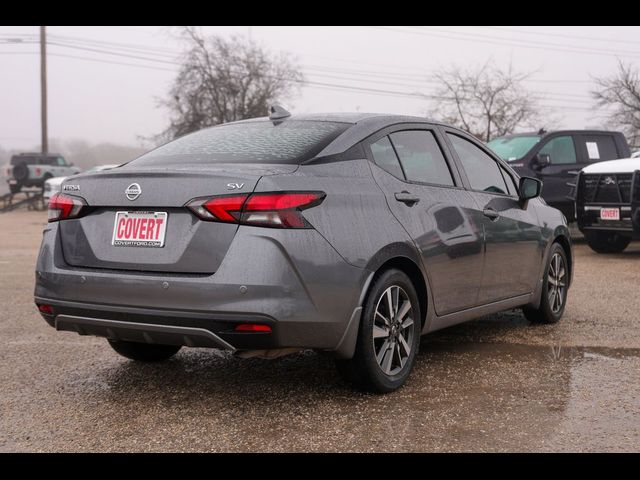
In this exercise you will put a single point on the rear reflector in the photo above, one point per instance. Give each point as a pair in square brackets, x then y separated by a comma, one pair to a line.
[275, 209]
[46, 309]
[253, 327]
[63, 207]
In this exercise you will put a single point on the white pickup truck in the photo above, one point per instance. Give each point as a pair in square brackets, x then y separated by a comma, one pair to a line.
[608, 204]
[33, 169]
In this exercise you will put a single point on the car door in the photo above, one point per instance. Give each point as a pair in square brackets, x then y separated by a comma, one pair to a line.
[565, 163]
[425, 194]
[512, 236]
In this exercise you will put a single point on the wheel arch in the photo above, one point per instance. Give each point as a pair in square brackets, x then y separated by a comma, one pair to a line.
[404, 258]
[565, 242]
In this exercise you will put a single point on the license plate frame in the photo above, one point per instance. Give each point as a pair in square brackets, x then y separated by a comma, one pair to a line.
[610, 214]
[137, 231]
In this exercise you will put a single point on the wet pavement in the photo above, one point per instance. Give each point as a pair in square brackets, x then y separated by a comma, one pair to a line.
[496, 384]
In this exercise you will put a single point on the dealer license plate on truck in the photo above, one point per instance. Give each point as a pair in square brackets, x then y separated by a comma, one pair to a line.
[610, 214]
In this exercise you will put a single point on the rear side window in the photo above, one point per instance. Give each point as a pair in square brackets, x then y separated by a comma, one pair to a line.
[421, 157]
[561, 150]
[385, 157]
[600, 148]
[290, 141]
[482, 171]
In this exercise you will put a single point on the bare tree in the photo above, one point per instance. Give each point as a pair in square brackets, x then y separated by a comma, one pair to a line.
[223, 80]
[486, 101]
[621, 92]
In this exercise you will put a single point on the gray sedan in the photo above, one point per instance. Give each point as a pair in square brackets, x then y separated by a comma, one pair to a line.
[353, 234]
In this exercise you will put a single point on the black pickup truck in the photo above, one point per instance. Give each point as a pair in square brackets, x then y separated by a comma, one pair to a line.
[556, 158]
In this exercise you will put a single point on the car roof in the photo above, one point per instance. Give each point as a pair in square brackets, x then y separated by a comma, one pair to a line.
[554, 132]
[37, 154]
[342, 117]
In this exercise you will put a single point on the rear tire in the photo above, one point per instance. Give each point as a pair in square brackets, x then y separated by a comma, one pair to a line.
[554, 289]
[144, 352]
[607, 242]
[388, 337]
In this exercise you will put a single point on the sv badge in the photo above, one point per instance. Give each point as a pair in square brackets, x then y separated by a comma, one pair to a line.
[235, 186]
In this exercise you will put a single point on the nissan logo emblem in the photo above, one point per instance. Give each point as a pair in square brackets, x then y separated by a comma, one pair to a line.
[133, 191]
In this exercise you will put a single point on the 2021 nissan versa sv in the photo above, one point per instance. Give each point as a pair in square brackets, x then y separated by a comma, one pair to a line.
[347, 233]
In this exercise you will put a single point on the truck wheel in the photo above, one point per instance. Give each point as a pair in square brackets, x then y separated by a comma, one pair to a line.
[389, 335]
[554, 289]
[15, 188]
[144, 352]
[607, 242]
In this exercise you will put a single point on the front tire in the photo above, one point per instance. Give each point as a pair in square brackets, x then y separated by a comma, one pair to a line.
[607, 242]
[554, 289]
[144, 352]
[388, 337]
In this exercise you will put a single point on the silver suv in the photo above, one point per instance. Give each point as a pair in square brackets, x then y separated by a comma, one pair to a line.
[33, 169]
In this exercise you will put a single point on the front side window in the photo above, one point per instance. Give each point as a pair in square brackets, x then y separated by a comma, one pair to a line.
[421, 157]
[511, 183]
[482, 171]
[385, 157]
[62, 162]
[561, 150]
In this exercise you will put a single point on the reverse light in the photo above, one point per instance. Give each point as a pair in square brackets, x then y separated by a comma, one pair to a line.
[253, 327]
[63, 207]
[274, 209]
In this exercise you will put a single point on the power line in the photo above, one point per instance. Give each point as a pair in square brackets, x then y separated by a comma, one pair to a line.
[471, 37]
[560, 35]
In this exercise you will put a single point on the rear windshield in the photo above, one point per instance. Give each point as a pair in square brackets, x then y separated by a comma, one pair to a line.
[291, 141]
[513, 148]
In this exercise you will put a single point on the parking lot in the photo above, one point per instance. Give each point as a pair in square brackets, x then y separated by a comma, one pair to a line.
[497, 384]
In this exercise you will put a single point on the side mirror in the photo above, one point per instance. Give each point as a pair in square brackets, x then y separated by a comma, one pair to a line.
[541, 161]
[529, 188]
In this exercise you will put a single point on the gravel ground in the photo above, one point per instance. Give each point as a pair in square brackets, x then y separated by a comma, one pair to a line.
[496, 384]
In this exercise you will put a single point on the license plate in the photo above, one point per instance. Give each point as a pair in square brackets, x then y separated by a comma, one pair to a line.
[610, 214]
[139, 229]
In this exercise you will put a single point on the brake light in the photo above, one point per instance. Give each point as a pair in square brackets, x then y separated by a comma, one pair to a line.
[63, 207]
[274, 209]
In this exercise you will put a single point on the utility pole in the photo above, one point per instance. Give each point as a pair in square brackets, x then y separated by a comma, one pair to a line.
[43, 88]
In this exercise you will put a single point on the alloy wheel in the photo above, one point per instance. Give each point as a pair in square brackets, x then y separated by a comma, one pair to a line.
[393, 330]
[556, 287]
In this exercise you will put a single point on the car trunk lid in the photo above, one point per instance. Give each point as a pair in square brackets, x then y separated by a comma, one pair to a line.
[191, 246]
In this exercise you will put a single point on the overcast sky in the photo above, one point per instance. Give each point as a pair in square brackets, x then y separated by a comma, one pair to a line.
[103, 92]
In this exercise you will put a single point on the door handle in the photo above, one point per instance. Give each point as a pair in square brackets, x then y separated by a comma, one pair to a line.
[406, 197]
[491, 214]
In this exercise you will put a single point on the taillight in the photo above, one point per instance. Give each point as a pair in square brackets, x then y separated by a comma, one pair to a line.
[275, 209]
[63, 207]
[46, 309]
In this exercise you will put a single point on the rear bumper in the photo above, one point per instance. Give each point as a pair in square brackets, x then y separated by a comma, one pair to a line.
[191, 329]
[293, 281]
